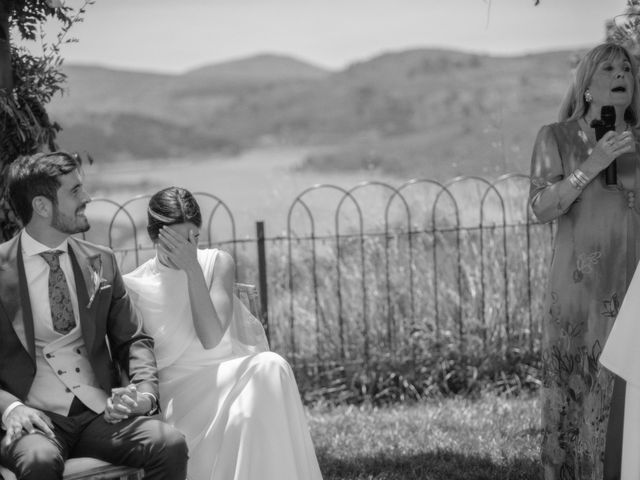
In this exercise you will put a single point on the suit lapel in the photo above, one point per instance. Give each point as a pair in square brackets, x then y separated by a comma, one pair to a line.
[15, 304]
[9, 285]
[82, 276]
[27, 315]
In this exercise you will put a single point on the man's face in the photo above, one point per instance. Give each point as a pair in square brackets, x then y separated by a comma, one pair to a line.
[68, 215]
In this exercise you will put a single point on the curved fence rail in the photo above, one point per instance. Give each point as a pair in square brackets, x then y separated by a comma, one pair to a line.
[379, 272]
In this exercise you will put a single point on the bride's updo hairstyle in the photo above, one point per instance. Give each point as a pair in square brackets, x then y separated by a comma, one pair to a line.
[171, 206]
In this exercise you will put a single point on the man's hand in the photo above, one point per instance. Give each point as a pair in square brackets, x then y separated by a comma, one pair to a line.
[23, 420]
[125, 402]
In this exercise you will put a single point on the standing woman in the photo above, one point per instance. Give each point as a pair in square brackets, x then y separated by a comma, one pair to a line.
[598, 225]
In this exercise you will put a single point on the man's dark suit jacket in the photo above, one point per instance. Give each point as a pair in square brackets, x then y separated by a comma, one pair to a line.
[110, 329]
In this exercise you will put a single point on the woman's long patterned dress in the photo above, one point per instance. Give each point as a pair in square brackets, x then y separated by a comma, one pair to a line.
[594, 257]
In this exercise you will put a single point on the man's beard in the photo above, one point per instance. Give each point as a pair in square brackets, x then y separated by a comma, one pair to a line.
[69, 225]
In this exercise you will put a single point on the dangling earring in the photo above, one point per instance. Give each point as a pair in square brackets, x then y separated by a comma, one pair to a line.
[588, 97]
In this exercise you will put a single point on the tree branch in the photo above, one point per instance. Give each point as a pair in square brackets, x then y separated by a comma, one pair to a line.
[6, 73]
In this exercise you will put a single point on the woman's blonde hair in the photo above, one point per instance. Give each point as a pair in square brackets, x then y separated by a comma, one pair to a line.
[574, 104]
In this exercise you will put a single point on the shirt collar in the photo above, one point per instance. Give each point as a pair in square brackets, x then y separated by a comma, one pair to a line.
[31, 247]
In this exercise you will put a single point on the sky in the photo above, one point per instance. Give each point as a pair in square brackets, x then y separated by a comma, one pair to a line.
[175, 36]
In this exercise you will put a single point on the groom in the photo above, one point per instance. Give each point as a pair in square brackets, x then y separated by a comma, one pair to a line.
[65, 320]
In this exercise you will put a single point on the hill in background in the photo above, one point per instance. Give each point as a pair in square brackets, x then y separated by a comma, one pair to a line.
[419, 113]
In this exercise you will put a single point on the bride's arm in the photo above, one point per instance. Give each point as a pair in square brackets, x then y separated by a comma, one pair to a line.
[210, 318]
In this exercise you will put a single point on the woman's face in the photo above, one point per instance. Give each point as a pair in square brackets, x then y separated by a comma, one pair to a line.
[612, 83]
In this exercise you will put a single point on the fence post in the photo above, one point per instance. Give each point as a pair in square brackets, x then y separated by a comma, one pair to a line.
[262, 276]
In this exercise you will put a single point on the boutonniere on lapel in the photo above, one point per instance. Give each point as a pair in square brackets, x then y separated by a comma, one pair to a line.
[95, 268]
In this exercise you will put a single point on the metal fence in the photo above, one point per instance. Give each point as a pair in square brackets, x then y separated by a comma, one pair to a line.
[377, 271]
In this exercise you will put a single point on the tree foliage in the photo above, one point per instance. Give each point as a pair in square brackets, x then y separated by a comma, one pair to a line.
[624, 29]
[33, 80]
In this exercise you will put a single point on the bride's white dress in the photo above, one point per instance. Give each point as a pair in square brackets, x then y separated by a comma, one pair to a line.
[237, 404]
[621, 355]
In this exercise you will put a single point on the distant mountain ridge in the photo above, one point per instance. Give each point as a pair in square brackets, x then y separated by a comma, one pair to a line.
[263, 67]
[413, 112]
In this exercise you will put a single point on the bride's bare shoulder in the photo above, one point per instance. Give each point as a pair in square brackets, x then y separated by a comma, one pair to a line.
[223, 261]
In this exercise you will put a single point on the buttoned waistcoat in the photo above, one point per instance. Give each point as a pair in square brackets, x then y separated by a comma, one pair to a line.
[111, 331]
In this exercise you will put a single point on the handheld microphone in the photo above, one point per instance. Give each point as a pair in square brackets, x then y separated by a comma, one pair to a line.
[607, 123]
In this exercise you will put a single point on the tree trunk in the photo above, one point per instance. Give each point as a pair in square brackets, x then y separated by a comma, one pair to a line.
[6, 74]
[8, 224]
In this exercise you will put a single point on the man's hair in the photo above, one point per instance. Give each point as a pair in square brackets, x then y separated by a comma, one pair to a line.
[35, 175]
[170, 206]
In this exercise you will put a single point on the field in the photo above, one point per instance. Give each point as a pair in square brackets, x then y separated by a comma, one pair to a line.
[258, 185]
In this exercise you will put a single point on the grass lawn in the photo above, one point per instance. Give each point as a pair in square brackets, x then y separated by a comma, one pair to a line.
[491, 438]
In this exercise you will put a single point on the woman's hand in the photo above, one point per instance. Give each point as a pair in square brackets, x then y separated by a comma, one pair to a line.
[182, 252]
[120, 404]
[614, 144]
[125, 402]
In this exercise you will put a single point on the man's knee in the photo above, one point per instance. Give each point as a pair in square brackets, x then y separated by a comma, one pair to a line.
[168, 453]
[166, 442]
[175, 445]
[33, 459]
[40, 469]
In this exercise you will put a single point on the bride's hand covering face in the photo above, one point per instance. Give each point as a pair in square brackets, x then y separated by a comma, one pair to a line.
[177, 244]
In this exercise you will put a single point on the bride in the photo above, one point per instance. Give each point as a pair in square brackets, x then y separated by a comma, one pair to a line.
[237, 403]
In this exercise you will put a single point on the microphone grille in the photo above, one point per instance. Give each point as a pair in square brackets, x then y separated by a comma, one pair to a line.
[608, 115]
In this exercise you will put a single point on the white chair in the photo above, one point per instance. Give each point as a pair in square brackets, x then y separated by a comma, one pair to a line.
[248, 294]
